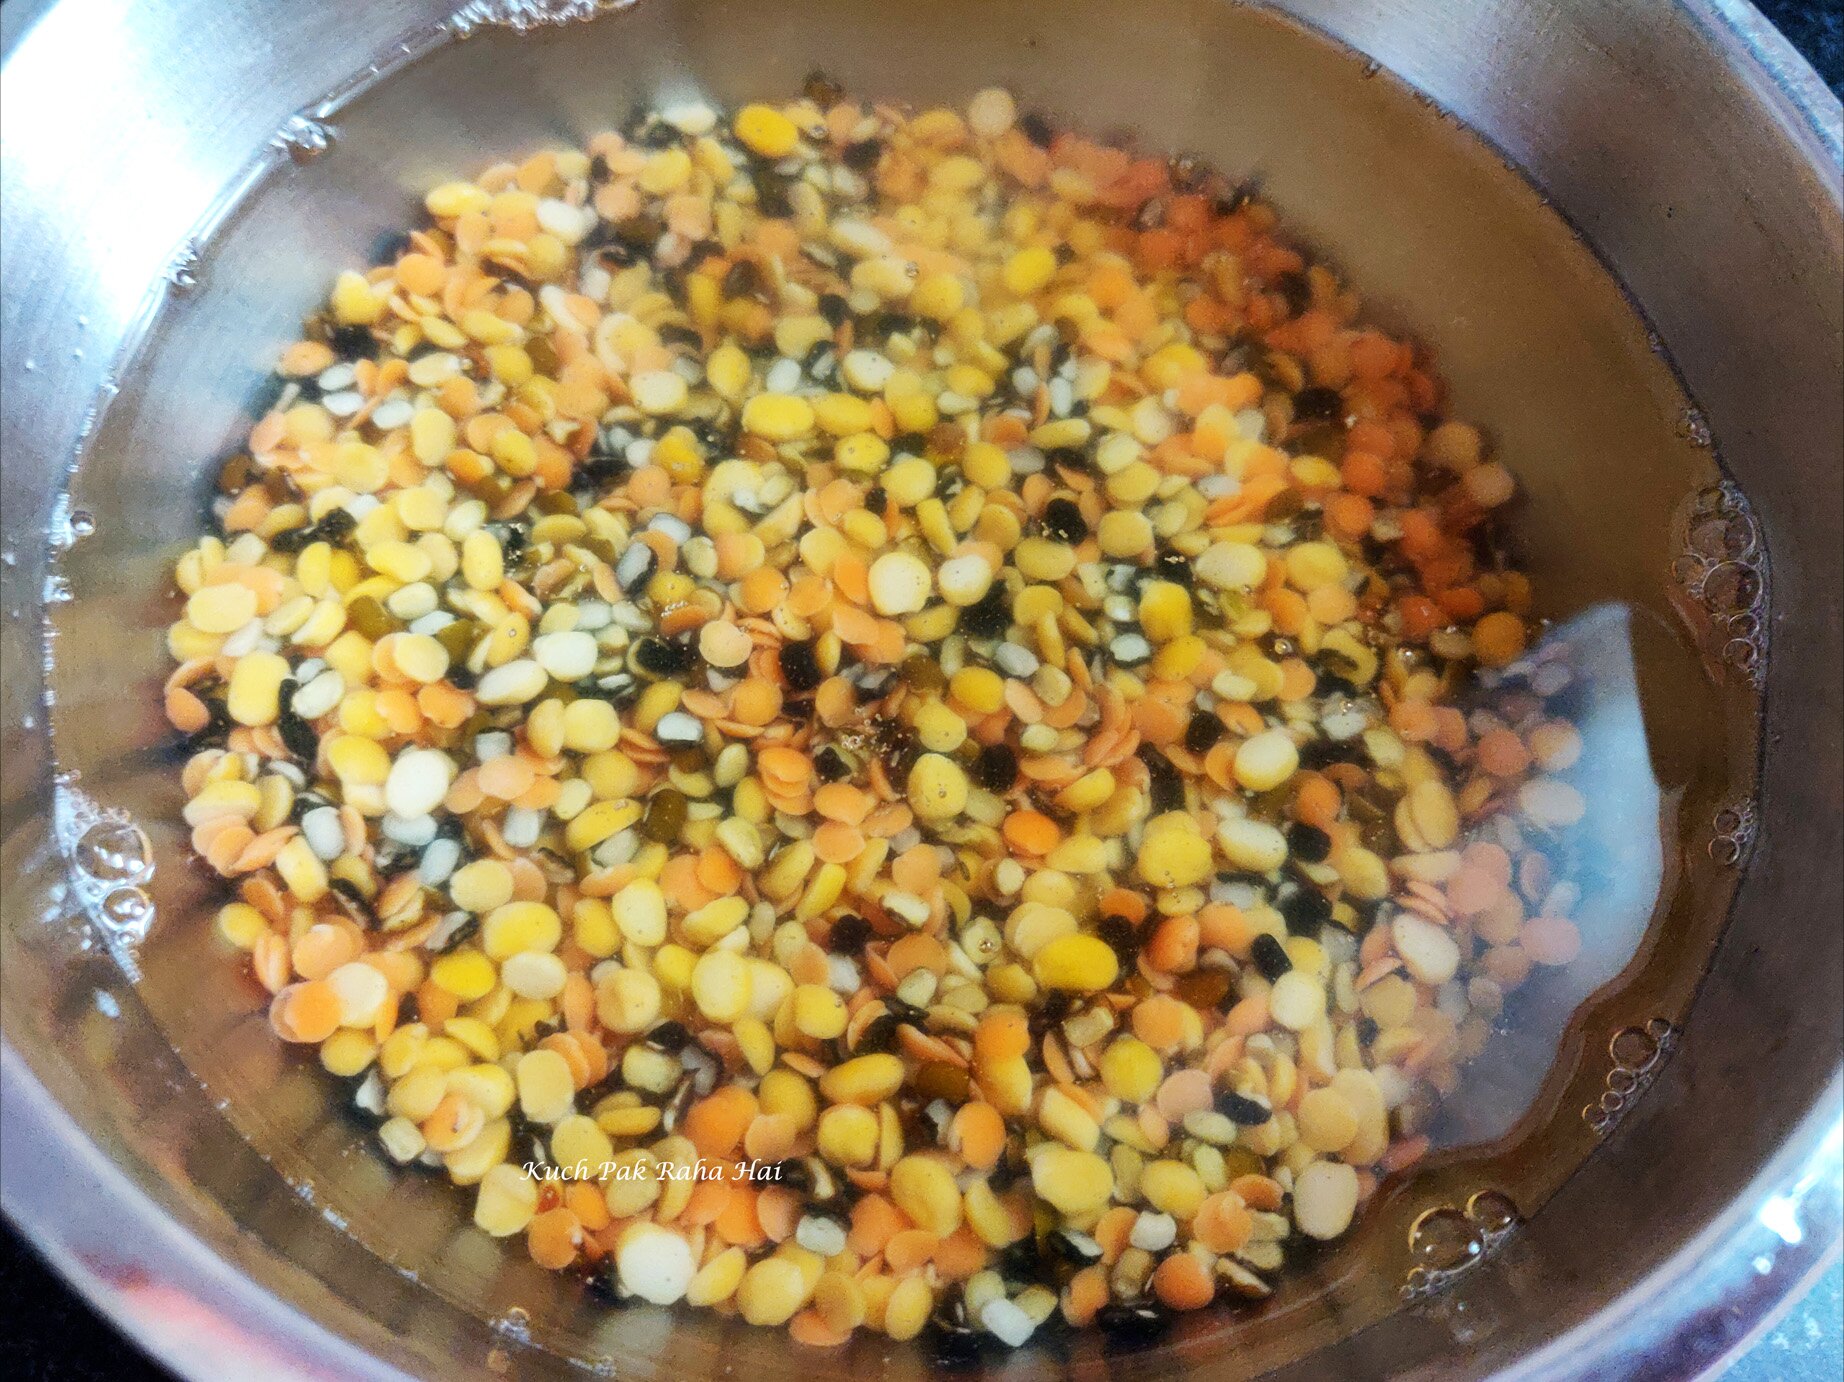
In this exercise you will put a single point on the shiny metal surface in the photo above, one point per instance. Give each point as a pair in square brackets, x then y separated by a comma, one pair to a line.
[1693, 152]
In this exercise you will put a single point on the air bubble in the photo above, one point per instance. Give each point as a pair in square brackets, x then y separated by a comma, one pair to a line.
[127, 909]
[183, 271]
[1731, 586]
[1447, 1243]
[1722, 537]
[111, 860]
[1493, 1212]
[1632, 1049]
[68, 525]
[1443, 1239]
[114, 852]
[1638, 1054]
[303, 138]
[524, 16]
[1720, 567]
[1733, 834]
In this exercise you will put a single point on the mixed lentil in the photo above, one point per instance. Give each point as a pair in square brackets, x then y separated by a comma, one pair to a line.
[910, 659]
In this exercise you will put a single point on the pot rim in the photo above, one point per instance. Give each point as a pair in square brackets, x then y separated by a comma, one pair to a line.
[1690, 1316]
[81, 1237]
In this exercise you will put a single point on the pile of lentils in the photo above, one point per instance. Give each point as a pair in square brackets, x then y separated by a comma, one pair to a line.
[852, 716]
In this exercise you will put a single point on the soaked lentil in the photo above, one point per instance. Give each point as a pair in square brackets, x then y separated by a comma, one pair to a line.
[916, 651]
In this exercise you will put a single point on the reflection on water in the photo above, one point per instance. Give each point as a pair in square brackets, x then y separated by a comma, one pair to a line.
[1605, 871]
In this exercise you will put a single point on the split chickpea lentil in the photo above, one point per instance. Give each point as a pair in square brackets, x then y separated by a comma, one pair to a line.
[915, 651]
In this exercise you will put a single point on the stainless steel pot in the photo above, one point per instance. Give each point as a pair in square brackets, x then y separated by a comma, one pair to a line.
[232, 154]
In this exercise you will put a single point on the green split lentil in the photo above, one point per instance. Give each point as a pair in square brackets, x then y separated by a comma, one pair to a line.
[908, 659]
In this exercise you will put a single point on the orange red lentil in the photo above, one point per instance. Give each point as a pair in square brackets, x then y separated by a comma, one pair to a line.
[910, 655]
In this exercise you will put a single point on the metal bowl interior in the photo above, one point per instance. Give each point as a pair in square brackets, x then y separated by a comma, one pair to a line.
[1664, 154]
